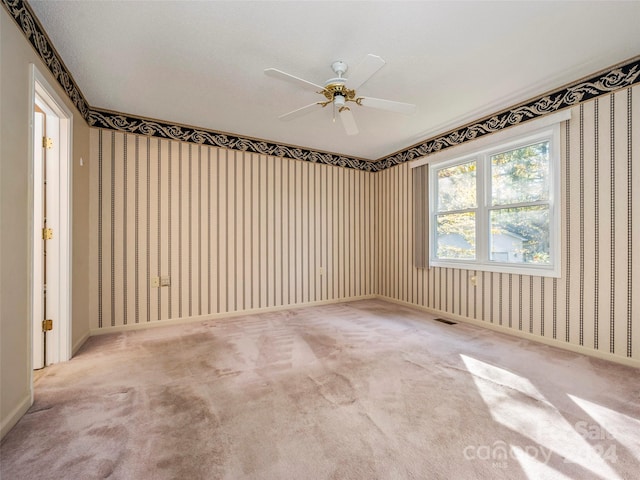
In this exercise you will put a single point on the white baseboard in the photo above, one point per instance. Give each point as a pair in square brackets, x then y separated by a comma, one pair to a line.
[15, 415]
[490, 326]
[517, 333]
[204, 318]
[79, 343]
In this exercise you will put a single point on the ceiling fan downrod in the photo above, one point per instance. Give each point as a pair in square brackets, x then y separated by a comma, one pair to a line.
[335, 90]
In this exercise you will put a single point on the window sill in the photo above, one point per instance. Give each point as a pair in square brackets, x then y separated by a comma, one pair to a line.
[518, 269]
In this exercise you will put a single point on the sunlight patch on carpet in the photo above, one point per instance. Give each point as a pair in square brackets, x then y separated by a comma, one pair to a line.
[516, 403]
[536, 469]
[619, 427]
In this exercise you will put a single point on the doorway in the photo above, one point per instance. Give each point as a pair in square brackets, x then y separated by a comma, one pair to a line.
[51, 129]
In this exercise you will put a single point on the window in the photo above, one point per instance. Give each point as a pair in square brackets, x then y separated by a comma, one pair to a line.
[497, 209]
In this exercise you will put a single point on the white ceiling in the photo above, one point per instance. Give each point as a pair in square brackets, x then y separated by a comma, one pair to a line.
[201, 63]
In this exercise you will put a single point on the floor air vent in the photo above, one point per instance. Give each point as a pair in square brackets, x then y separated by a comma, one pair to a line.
[448, 322]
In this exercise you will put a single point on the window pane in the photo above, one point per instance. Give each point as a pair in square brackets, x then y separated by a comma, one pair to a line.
[457, 187]
[456, 236]
[520, 175]
[520, 235]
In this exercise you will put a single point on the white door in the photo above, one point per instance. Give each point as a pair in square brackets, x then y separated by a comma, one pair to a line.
[51, 257]
[46, 241]
[38, 242]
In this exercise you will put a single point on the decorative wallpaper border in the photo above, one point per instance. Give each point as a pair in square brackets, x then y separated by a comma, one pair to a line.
[155, 128]
[600, 84]
[22, 14]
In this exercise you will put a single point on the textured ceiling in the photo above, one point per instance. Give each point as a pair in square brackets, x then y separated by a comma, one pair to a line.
[201, 63]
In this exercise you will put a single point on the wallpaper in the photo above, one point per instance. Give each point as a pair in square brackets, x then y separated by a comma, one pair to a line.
[239, 231]
[595, 302]
[234, 231]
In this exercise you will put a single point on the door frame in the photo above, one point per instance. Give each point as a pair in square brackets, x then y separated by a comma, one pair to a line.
[61, 339]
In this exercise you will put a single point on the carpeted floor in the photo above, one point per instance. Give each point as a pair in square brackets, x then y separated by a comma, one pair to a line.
[362, 390]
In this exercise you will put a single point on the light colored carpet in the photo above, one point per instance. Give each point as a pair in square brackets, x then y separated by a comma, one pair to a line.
[362, 390]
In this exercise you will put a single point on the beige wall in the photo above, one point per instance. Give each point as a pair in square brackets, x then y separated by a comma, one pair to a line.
[15, 56]
[236, 231]
[594, 306]
[81, 233]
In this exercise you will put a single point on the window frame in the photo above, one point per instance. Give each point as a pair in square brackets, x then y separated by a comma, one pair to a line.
[482, 156]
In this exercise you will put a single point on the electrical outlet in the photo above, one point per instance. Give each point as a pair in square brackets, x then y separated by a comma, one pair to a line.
[155, 282]
[474, 281]
[165, 281]
[321, 271]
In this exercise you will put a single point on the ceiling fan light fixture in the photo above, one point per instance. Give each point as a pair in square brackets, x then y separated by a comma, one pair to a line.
[339, 100]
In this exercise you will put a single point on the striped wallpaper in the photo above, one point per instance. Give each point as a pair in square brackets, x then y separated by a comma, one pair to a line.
[239, 231]
[234, 231]
[595, 304]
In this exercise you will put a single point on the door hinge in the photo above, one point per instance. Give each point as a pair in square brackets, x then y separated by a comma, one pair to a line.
[47, 325]
[47, 142]
[47, 233]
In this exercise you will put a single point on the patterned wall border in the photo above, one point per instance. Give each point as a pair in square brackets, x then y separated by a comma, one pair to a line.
[22, 14]
[157, 128]
[600, 84]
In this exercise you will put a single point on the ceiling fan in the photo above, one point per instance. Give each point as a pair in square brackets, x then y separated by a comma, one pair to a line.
[339, 91]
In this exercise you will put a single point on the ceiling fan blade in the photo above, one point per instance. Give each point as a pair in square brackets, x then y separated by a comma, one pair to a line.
[390, 105]
[299, 112]
[275, 73]
[364, 71]
[348, 122]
